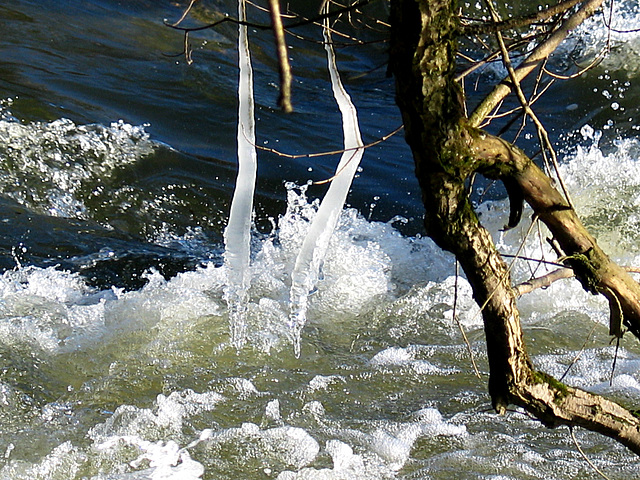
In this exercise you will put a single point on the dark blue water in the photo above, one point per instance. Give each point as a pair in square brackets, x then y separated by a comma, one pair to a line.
[118, 159]
[99, 62]
[102, 61]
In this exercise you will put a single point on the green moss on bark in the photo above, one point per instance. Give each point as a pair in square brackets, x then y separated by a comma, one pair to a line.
[561, 391]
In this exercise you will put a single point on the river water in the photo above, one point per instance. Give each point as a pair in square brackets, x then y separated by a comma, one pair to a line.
[117, 165]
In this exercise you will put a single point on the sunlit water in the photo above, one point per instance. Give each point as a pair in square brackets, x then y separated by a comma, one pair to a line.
[116, 359]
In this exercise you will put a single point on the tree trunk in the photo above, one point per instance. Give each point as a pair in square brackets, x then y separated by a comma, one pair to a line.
[446, 151]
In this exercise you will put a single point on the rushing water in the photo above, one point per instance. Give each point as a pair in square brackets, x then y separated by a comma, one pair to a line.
[117, 166]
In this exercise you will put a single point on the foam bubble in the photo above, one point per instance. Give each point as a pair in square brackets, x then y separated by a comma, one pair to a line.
[274, 448]
[410, 357]
[622, 40]
[46, 165]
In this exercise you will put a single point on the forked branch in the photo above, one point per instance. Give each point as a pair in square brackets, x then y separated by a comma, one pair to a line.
[447, 149]
[533, 60]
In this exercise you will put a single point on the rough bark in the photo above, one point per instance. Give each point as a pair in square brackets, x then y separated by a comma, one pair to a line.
[446, 150]
[593, 268]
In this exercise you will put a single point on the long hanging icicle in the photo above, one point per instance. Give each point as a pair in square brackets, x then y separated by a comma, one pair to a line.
[314, 248]
[237, 235]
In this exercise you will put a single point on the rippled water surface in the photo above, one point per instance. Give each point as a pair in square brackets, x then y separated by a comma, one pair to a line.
[117, 165]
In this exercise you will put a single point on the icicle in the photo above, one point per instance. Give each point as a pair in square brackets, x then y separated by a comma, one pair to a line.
[237, 235]
[314, 248]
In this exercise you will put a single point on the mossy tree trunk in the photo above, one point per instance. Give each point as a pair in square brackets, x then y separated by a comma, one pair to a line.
[447, 150]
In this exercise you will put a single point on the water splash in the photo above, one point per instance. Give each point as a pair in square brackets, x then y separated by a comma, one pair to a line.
[237, 235]
[56, 168]
[314, 248]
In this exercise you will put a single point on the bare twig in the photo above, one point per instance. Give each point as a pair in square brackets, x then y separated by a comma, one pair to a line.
[541, 52]
[615, 359]
[332, 152]
[263, 26]
[545, 143]
[184, 14]
[546, 280]
[455, 317]
[518, 22]
[283, 58]
[580, 352]
[594, 63]
[591, 464]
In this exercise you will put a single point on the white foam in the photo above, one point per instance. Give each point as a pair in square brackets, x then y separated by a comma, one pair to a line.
[384, 450]
[44, 307]
[64, 461]
[289, 446]
[322, 382]
[311, 257]
[367, 263]
[623, 39]
[374, 280]
[45, 165]
[593, 370]
[346, 464]
[166, 419]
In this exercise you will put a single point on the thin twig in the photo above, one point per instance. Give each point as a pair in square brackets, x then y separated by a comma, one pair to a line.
[184, 14]
[580, 352]
[283, 57]
[187, 49]
[455, 317]
[263, 26]
[267, 10]
[542, 132]
[493, 56]
[591, 464]
[539, 53]
[615, 359]
[519, 22]
[594, 63]
[611, 29]
[332, 152]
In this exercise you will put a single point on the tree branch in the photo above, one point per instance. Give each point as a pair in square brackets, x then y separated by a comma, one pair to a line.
[518, 22]
[446, 151]
[554, 404]
[283, 57]
[593, 268]
[543, 281]
[547, 280]
[537, 56]
[268, 26]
